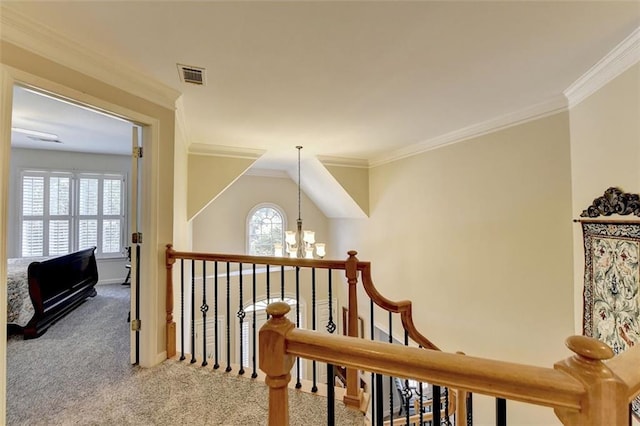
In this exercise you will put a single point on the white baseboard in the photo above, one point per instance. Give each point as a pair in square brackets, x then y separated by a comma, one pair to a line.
[111, 281]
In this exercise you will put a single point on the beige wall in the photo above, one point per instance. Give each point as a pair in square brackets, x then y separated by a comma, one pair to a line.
[208, 177]
[355, 180]
[605, 152]
[478, 236]
[221, 226]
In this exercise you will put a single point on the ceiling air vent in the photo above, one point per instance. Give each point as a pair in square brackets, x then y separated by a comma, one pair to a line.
[193, 75]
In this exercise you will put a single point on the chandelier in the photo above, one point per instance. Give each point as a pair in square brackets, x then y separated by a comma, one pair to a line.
[301, 243]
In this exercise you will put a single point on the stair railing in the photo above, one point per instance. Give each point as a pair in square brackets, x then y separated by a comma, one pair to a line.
[204, 279]
[193, 278]
[588, 389]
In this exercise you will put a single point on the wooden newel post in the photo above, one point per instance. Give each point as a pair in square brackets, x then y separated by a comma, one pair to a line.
[171, 325]
[275, 362]
[606, 401]
[352, 395]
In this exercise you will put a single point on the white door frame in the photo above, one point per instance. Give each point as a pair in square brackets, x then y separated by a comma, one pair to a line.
[149, 267]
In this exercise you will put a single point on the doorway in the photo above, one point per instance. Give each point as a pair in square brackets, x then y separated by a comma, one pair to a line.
[150, 138]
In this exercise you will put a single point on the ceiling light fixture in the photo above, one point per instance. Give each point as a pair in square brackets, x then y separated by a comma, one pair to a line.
[40, 135]
[95, 110]
[301, 244]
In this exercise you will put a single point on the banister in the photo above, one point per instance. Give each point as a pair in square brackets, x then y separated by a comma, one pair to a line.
[259, 260]
[403, 307]
[537, 385]
[583, 389]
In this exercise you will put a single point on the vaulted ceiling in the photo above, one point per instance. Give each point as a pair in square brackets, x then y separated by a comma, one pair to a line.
[361, 81]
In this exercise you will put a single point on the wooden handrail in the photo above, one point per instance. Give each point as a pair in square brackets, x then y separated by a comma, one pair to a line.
[258, 260]
[627, 367]
[545, 386]
[583, 389]
[403, 307]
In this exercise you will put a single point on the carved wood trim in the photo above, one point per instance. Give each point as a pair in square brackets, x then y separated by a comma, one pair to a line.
[614, 201]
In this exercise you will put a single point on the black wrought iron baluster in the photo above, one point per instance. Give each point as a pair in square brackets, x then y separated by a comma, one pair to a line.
[391, 379]
[331, 398]
[182, 357]
[445, 409]
[193, 311]
[314, 387]
[268, 288]
[204, 308]
[379, 401]
[228, 317]
[469, 403]
[437, 406]
[241, 314]
[407, 390]
[421, 396]
[253, 354]
[298, 383]
[501, 412]
[216, 364]
[376, 392]
[282, 282]
[331, 326]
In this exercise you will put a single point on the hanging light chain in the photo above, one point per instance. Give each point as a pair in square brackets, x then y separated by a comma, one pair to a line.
[299, 147]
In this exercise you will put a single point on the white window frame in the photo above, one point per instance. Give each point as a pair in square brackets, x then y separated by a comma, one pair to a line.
[250, 216]
[260, 309]
[74, 210]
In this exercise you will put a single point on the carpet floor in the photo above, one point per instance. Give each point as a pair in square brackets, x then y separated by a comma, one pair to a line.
[78, 373]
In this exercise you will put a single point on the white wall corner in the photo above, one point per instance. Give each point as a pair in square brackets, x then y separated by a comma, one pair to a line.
[181, 125]
[25, 33]
[617, 61]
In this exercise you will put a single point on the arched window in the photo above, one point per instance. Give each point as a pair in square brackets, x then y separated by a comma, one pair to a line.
[265, 229]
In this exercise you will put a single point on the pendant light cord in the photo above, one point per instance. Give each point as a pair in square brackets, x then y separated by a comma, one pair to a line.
[299, 209]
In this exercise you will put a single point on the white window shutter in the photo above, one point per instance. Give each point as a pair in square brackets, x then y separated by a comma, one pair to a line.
[33, 196]
[32, 238]
[88, 197]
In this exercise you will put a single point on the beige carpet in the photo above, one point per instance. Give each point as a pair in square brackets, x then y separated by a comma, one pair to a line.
[78, 373]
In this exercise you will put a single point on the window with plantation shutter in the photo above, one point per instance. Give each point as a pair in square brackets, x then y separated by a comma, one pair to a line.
[32, 216]
[68, 211]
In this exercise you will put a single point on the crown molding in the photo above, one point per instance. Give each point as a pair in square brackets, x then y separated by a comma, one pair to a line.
[35, 37]
[269, 173]
[617, 61]
[343, 162]
[550, 107]
[225, 151]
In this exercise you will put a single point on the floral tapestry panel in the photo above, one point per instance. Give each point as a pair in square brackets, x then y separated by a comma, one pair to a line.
[611, 307]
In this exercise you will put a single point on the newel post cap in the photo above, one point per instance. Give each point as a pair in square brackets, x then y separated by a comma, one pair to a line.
[589, 348]
[278, 309]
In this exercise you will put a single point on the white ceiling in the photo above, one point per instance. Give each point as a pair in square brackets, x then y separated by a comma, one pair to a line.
[69, 126]
[355, 80]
